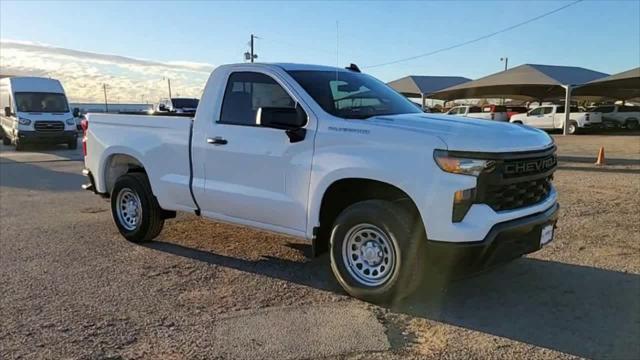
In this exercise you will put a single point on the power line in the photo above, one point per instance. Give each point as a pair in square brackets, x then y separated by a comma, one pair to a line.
[476, 39]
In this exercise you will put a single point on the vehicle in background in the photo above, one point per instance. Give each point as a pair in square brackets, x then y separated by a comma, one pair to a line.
[512, 110]
[35, 110]
[325, 154]
[488, 112]
[178, 105]
[495, 112]
[620, 115]
[551, 117]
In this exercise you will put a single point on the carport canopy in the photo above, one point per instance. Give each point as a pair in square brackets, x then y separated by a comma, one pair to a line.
[528, 81]
[621, 86]
[419, 86]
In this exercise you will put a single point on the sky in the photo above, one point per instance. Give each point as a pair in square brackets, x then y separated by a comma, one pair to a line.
[133, 47]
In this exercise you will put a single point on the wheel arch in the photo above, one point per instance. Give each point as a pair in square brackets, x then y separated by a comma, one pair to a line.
[116, 164]
[343, 192]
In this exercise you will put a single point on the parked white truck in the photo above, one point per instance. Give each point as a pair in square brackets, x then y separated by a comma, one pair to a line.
[551, 117]
[391, 192]
[489, 112]
[35, 110]
[620, 115]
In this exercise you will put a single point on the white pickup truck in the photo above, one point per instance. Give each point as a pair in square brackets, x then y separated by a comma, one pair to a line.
[551, 117]
[620, 115]
[336, 157]
[489, 112]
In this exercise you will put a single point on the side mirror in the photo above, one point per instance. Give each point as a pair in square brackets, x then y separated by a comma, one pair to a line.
[7, 111]
[290, 119]
[76, 112]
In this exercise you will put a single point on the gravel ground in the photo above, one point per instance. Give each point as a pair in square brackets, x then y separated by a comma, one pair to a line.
[73, 288]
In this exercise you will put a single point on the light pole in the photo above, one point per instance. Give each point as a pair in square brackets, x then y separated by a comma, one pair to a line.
[506, 65]
[506, 62]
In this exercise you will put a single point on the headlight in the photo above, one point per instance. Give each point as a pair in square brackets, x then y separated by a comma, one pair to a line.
[459, 165]
[71, 121]
[24, 121]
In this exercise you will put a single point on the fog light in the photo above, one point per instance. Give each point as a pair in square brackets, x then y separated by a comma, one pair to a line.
[462, 201]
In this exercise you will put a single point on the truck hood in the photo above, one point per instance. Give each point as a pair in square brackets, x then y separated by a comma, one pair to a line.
[467, 134]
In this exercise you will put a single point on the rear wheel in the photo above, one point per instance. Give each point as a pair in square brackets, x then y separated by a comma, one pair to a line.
[572, 128]
[631, 124]
[377, 251]
[5, 139]
[19, 145]
[135, 209]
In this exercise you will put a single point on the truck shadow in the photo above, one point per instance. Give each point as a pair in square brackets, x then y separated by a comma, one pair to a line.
[583, 311]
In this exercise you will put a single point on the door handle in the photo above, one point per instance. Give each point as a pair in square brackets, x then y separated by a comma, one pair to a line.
[217, 141]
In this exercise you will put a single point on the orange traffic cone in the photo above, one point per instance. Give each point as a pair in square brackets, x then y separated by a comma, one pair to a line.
[600, 160]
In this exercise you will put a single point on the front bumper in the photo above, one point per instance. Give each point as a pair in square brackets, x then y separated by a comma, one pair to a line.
[505, 241]
[47, 137]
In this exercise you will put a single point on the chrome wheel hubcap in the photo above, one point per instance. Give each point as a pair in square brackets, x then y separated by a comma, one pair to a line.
[368, 254]
[129, 209]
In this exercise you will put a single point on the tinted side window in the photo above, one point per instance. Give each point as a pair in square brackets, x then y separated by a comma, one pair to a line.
[548, 110]
[604, 109]
[628, 109]
[537, 111]
[248, 91]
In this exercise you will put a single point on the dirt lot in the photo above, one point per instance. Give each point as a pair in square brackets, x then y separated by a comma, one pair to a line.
[71, 287]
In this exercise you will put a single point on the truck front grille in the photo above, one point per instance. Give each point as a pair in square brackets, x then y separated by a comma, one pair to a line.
[518, 180]
[519, 194]
[49, 126]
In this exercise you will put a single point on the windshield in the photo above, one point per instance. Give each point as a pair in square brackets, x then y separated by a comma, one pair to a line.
[41, 102]
[352, 95]
[184, 103]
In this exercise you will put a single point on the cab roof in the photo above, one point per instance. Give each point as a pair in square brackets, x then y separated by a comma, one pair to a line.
[35, 84]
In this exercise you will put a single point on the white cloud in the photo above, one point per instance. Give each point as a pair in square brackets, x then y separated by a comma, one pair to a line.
[83, 73]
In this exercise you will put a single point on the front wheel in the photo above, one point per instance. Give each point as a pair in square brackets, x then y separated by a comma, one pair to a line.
[572, 128]
[377, 251]
[135, 209]
[73, 144]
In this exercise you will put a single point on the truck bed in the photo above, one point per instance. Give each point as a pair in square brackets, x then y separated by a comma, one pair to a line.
[162, 143]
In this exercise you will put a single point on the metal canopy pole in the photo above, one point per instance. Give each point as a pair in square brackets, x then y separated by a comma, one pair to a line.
[567, 108]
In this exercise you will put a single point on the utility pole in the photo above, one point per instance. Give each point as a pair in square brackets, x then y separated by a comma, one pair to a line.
[169, 84]
[252, 48]
[106, 105]
[251, 55]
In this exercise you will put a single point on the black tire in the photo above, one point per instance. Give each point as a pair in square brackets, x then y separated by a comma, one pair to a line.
[572, 128]
[517, 122]
[151, 221]
[402, 228]
[5, 139]
[73, 144]
[631, 124]
[19, 145]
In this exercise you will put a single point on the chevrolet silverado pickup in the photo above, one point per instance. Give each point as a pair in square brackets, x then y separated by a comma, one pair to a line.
[340, 159]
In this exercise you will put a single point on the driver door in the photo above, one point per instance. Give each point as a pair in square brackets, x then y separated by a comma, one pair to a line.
[255, 174]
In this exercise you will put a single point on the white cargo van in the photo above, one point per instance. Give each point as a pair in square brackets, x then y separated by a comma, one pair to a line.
[35, 110]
